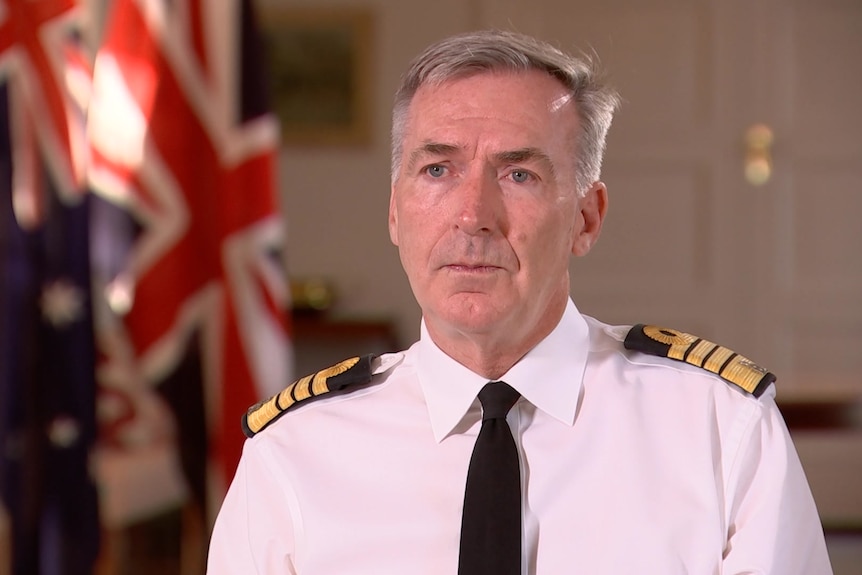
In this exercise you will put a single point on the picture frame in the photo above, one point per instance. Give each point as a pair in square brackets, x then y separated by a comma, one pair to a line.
[319, 61]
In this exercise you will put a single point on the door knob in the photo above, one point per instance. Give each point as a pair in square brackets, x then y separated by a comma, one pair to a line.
[758, 155]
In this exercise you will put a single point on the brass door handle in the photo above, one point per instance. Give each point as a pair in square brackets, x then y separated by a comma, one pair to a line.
[758, 154]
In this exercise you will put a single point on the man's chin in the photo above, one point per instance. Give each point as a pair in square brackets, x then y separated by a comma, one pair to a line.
[473, 318]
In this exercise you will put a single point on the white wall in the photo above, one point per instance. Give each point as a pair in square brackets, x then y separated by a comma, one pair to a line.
[336, 199]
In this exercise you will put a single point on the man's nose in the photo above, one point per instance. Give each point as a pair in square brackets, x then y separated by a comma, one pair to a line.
[479, 203]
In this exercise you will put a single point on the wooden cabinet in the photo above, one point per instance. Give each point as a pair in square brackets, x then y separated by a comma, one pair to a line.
[321, 340]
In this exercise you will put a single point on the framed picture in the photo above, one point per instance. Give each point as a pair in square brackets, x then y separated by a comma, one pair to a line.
[320, 73]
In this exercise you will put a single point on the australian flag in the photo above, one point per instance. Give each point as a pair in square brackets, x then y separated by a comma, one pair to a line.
[47, 354]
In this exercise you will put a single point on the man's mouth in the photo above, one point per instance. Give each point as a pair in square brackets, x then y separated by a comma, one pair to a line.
[472, 268]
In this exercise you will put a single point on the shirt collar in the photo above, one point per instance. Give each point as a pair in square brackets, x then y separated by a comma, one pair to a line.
[549, 376]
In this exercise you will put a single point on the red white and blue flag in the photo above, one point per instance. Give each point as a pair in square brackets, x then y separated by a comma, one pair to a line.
[183, 144]
[42, 67]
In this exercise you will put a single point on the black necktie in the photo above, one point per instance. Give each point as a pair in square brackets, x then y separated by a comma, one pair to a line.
[491, 525]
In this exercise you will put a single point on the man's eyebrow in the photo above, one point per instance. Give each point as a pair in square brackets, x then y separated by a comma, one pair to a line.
[518, 156]
[430, 149]
[523, 155]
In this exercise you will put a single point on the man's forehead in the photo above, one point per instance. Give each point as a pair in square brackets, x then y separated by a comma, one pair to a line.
[510, 116]
[505, 95]
[456, 117]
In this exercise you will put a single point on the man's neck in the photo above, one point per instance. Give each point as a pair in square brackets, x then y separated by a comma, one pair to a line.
[491, 355]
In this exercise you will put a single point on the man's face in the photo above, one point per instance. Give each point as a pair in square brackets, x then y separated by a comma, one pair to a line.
[484, 209]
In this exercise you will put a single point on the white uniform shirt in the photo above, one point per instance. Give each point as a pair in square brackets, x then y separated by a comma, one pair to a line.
[630, 464]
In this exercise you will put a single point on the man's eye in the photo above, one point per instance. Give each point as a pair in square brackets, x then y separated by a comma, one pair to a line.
[520, 176]
[435, 171]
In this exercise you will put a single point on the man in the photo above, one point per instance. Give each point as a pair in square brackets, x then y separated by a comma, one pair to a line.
[626, 461]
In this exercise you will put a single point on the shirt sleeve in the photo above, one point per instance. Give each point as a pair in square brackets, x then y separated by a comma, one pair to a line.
[254, 530]
[773, 525]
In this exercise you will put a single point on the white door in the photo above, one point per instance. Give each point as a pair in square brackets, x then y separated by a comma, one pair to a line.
[773, 271]
[810, 302]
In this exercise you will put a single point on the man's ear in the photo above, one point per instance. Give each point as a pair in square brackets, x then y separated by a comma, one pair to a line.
[393, 217]
[592, 208]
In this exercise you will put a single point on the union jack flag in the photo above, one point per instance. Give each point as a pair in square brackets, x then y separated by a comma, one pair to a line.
[182, 140]
[45, 120]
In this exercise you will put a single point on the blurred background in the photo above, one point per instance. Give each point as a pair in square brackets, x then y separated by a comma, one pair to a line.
[194, 200]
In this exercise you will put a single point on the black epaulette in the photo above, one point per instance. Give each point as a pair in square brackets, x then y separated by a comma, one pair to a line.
[721, 361]
[354, 371]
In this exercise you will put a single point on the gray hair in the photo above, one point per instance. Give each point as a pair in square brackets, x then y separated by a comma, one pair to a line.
[500, 51]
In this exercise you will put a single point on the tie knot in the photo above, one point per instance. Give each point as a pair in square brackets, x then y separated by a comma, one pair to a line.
[497, 398]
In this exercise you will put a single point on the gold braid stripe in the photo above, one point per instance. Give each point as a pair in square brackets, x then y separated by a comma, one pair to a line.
[744, 373]
[324, 374]
[266, 412]
[309, 386]
[285, 398]
[700, 351]
[301, 390]
[718, 359]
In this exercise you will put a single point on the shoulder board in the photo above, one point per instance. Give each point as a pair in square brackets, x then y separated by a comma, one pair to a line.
[350, 372]
[719, 360]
